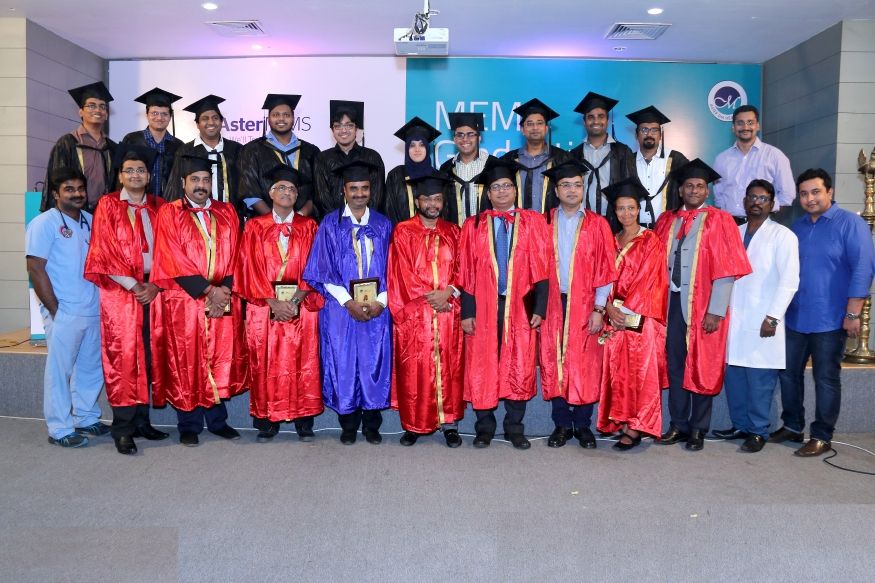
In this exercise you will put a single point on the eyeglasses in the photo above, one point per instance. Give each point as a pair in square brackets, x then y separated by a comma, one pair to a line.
[159, 114]
[465, 135]
[95, 106]
[648, 131]
[283, 189]
[132, 171]
[501, 187]
[760, 198]
[343, 126]
[569, 185]
[740, 123]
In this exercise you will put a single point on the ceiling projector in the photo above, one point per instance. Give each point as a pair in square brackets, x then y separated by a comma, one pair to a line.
[419, 40]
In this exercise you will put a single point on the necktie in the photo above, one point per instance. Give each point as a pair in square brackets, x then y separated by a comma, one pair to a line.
[195, 210]
[138, 225]
[688, 218]
[284, 229]
[506, 216]
[220, 179]
[594, 176]
[501, 250]
[370, 233]
[676, 268]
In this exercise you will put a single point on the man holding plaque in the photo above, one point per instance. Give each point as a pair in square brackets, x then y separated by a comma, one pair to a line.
[347, 266]
[423, 264]
[282, 316]
[198, 343]
[582, 270]
[504, 277]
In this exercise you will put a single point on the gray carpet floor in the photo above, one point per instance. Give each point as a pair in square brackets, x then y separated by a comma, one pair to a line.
[289, 511]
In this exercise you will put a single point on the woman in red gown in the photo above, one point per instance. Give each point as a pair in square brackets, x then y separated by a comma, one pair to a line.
[634, 370]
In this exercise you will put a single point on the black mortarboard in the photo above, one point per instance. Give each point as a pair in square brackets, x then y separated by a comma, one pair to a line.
[430, 184]
[144, 152]
[355, 171]
[355, 110]
[283, 172]
[461, 119]
[157, 97]
[648, 115]
[190, 164]
[417, 129]
[629, 187]
[496, 169]
[208, 103]
[274, 99]
[568, 169]
[592, 100]
[97, 90]
[695, 169]
[535, 106]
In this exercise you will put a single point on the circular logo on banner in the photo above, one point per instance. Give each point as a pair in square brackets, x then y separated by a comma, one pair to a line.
[724, 98]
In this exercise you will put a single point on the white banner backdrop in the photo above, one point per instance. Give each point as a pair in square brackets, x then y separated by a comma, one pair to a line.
[377, 81]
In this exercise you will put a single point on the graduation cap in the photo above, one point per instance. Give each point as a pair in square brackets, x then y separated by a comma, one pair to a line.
[695, 169]
[354, 110]
[629, 187]
[190, 164]
[591, 101]
[535, 106]
[462, 119]
[274, 99]
[144, 154]
[283, 172]
[96, 90]
[650, 115]
[568, 169]
[417, 129]
[355, 171]
[496, 169]
[430, 184]
[158, 97]
[208, 103]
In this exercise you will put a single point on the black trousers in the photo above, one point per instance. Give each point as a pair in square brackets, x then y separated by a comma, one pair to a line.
[267, 425]
[368, 419]
[514, 411]
[216, 418]
[688, 410]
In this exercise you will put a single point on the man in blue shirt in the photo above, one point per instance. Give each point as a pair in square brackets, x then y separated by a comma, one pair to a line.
[836, 266]
[56, 244]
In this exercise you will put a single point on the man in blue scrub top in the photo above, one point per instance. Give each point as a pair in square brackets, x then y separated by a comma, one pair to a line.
[56, 245]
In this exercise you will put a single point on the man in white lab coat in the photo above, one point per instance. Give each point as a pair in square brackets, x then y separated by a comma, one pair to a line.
[756, 347]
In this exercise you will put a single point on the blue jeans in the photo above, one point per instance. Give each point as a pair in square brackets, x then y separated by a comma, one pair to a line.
[825, 350]
[749, 395]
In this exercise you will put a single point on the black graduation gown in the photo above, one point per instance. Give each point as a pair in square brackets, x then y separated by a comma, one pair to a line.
[329, 187]
[259, 156]
[454, 194]
[548, 193]
[64, 154]
[399, 203]
[157, 184]
[622, 161]
[672, 190]
[227, 169]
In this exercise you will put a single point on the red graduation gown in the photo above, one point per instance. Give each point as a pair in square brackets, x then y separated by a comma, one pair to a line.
[283, 356]
[635, 369]
[116, 249]
[489, 378]
[427, 365]
[571, 357]
[196, 361]
[719, 253]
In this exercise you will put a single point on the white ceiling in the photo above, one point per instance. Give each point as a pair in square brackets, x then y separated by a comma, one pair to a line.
[739, 31]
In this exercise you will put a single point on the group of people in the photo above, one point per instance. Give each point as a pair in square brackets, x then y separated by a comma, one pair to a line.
[605, 270]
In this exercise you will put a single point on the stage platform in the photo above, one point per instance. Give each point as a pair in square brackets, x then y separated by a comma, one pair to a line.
[21, 387]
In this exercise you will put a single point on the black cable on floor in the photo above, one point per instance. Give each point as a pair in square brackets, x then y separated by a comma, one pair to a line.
[835, 453]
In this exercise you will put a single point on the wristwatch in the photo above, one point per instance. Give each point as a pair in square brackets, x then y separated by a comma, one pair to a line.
[773, 322]
[599, 310]
[296, 300]
[852, 316]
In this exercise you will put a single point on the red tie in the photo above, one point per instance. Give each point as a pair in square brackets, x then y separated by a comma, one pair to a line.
[688, 218]
[506, 216]
[201, 209]
[284, 229]
[138, 225]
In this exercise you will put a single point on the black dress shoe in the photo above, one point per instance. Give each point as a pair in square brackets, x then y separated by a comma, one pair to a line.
[585, 438]
[348, 436]
[729, 434]
[560, 437]
[305, 434]
[189, 439]
[672, 436]
[125, 445]
[482, 440]
[453, 438]
[226, 432]
[408, 439]
[784, 434]
[634, 441]
[518, 441]
[150, 433]
[696, 440]
[266, 435]
[372, 436]
[753, 443]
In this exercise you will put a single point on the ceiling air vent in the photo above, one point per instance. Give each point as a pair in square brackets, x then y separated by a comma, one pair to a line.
[237, 28]
[636, 31]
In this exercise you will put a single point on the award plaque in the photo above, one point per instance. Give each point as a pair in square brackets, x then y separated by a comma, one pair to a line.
[227, 311]
[633, 321]
[283, 292]
[364, 290]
